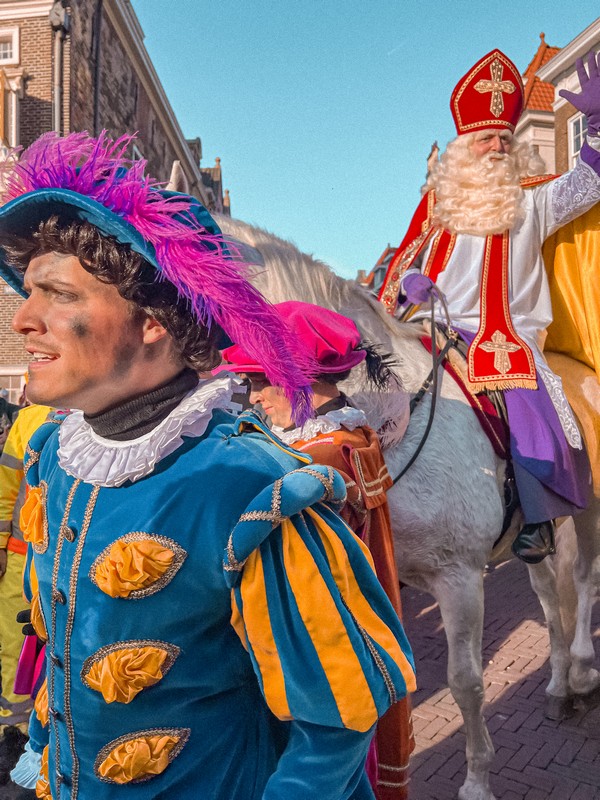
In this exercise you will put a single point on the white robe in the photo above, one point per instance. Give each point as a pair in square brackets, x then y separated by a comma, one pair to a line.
[548, 206]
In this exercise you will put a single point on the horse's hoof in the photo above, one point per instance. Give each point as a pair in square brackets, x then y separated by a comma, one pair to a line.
[558, 708]
[587, 701]
[584, 682]
[475, 792]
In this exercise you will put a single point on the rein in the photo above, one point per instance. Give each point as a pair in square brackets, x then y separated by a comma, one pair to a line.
[432, 380]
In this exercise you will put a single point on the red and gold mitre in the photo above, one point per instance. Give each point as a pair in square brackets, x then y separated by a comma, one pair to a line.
[490, 95]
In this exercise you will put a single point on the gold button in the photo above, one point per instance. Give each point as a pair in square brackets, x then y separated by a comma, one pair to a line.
[59, 597]
[68, 533]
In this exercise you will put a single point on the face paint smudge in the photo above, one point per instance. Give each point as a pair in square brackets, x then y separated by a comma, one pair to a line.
[80, 327]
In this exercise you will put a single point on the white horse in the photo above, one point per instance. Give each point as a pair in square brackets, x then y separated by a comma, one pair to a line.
[447, 510]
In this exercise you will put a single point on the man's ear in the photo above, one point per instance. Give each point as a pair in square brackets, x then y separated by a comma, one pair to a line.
[153, 331]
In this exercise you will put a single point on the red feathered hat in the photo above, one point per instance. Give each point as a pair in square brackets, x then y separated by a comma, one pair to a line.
[490, 95]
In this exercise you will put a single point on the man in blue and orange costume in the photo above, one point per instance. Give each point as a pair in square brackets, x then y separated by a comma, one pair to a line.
[213, 629]
[477, 237]
[339, 435]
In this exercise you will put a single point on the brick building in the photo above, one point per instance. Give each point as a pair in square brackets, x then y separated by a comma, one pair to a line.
[537, 122]
[74, 65]
[548, 120]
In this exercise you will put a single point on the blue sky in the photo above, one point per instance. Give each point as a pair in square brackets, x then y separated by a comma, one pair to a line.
[323, 113]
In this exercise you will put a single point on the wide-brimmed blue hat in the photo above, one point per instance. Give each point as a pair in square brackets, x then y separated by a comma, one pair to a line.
[23, 215]
[91, 179]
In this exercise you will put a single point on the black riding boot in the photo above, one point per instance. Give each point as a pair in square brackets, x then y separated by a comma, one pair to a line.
[534, 542]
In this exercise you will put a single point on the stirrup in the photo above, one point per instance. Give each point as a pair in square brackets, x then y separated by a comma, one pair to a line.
[534, 542]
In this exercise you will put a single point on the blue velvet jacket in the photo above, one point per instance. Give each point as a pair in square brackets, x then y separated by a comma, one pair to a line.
[214, 630]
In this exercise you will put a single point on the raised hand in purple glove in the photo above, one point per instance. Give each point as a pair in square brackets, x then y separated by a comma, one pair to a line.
[588, 100]
[417, 288]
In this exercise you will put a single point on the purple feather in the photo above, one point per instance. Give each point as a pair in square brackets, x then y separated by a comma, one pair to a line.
[190, 257]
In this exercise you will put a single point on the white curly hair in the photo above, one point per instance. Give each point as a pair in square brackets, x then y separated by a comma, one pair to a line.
[481, 195]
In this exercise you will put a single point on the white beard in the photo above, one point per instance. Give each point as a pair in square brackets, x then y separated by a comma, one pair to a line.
[476, 195]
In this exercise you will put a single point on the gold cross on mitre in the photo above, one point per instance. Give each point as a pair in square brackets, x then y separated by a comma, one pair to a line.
[496, 86]
[501, 349]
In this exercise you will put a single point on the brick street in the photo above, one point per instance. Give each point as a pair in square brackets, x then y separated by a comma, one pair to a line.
[536, 758]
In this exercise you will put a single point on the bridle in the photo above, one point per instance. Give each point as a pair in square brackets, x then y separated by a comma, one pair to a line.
[432, 380]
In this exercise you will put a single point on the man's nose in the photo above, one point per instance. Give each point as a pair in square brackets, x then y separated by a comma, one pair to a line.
[254, 397]
[26, 319]
[497, 145]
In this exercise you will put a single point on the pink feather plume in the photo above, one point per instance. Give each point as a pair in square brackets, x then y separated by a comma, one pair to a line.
[190, 257]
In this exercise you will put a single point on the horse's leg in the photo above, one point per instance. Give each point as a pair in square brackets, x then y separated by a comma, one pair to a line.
[545, 581]
[583, 677]
[460, 597]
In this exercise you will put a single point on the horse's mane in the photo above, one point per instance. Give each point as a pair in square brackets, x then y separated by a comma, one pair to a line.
[290, 274]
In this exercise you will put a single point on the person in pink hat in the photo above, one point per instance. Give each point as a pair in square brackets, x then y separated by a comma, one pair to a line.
[339, 436]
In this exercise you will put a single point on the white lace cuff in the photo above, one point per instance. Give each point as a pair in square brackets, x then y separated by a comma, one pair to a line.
[27, 770]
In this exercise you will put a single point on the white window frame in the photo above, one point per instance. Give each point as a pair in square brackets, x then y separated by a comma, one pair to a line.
[13, 34]
[11, 122]
[13, 379]
[579, 120]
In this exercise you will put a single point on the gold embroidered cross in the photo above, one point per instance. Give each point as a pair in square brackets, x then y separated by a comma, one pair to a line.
[501, 349]
[496, 86]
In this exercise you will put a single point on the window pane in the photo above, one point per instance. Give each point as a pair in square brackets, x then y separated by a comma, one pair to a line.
[578, 131]
[6, 49]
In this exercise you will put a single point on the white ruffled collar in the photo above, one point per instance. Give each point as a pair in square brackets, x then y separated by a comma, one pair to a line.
[104, 462]
[346, 417]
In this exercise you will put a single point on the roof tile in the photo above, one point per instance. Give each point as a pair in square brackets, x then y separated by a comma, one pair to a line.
[539, 96]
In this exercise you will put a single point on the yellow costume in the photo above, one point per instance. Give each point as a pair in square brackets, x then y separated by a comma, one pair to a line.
[14, 708]
[572, 257]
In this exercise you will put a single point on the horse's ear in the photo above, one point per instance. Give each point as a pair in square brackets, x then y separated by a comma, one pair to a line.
[178, 181]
